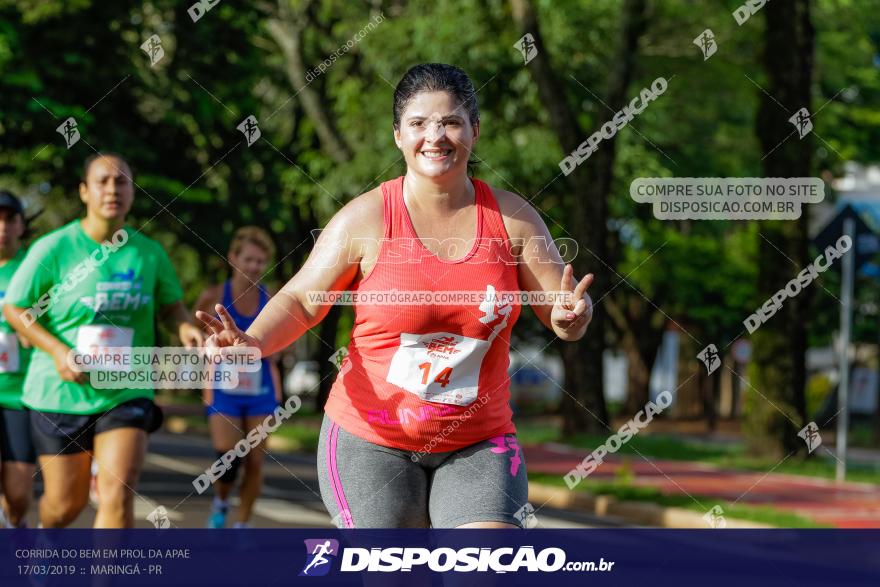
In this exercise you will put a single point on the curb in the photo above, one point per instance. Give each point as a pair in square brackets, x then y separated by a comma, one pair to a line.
[636, 512]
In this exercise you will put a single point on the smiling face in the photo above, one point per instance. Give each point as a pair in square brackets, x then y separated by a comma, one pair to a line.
[107, 191]
[436, 135]
[250, 261]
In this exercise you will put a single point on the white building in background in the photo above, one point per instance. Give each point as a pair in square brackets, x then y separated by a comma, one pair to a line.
[858, 179]
[664, 375]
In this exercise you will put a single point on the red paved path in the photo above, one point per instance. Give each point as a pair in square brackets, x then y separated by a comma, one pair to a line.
[849, 505]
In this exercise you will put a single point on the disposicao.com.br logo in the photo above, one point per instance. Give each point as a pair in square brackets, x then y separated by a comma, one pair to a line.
[319, 554]
[443, 559]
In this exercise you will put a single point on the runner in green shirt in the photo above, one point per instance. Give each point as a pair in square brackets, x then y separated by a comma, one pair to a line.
[94, 281]
[16, 446]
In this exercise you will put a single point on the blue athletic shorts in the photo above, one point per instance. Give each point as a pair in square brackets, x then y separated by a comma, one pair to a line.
[242, 406]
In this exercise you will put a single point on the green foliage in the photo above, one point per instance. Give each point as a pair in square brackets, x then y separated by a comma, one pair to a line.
[819, 387]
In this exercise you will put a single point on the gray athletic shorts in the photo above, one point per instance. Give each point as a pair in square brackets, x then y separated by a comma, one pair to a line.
[364, 485]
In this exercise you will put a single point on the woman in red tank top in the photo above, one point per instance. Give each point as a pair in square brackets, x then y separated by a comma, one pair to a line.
[418, 428]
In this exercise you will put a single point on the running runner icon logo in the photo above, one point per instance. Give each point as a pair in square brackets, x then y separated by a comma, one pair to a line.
[706, 43]
[710, 357]
[527, 46]
[69, 130]
[154, 50]
[802, 121]
[250, 129]
[319, 554]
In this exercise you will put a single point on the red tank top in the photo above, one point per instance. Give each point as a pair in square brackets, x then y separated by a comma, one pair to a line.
[430, 377]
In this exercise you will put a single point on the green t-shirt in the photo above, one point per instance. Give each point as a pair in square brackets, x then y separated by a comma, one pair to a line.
[90, 293]
[13, 357]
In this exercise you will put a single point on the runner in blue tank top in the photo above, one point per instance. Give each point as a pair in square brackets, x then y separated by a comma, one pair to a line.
[232, 413]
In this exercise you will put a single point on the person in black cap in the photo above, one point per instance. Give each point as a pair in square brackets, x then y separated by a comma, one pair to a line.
[17, 453]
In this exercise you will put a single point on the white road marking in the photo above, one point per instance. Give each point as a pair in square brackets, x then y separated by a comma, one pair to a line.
[174, 464]
[144, 506]
[279, 510]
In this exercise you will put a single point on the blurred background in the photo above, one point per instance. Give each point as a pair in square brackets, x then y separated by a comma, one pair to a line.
[167, 84]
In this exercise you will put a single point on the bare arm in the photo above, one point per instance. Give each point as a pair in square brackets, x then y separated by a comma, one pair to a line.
[333, 265]
[276, 357]
[293, 311]
[276, 381]
[43, 340]
[274, 364]
[206, 303]
[541, 269]
[206, 300]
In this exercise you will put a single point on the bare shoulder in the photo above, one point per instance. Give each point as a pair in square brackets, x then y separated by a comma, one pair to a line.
[357, 228]
[362, 216]
[521, 219]
[215, 292]
[210, 296]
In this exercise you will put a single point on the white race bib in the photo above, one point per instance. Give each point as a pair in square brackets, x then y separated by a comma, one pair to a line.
[97, 339]
[8, 352]
[249, 383]
[439, 367]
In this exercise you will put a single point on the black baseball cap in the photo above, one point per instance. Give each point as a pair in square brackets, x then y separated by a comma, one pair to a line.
[7, 200]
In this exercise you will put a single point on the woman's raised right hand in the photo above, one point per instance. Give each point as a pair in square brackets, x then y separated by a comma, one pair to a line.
[224, 332]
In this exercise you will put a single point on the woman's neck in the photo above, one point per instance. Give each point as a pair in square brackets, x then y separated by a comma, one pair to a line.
[241, 285]
[100, 229]
[438, 196]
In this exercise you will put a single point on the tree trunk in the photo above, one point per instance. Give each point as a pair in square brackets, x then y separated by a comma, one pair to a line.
[779, 373]
[710, 386]
[583, 405]
[638, 381]
[286, 30]
[286, 27]
[640, 342]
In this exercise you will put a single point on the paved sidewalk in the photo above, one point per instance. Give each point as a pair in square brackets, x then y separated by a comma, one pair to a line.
[849, 505]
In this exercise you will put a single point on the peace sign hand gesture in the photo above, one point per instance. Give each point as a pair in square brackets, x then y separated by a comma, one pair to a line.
[573, 310]
[224, 331]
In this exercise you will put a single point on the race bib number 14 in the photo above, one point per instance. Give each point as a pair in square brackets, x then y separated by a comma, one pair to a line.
[249, 383]
[439, 367]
